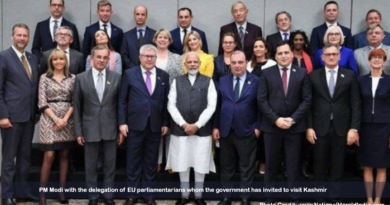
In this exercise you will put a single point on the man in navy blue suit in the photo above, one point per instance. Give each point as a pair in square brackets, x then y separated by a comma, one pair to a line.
[284, 97]
[331, 12]
[18, 109]
[44, 37]
[143, 118]
[135, 38]
[184, 18]
[283, 22]
[236, 125]
[104, 10]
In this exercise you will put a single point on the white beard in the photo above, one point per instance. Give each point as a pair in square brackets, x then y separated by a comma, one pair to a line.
[193, 72]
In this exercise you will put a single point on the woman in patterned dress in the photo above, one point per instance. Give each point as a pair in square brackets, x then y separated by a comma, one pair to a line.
[56, 129]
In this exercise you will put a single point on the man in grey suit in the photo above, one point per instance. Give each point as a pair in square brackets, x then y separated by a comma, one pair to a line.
[375, 36]
[18, 108]
[64, 38]
[95, 117]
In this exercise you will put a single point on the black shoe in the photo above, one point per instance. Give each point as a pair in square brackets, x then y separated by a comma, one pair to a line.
[7, 202]
[225, 201]
[28, 198]
[64, 201]
[151, 202]
[93, 202]
[130, 201]
[109, 202]
[200, 201]
[182, 201]
[245, 202]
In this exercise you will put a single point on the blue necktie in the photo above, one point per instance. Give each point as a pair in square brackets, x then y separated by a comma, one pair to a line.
[285, 36]
[237, 89]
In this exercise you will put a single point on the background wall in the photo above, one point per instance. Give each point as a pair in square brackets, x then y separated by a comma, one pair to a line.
[208, 15]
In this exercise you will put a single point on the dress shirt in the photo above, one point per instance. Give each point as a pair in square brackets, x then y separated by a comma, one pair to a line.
[66, 53]
[108, 27]
[143, 31]
[243, 26]
[330, 24]
[375, 82]
[242, 81]
[206, 114]
[288, 73]
[182, 32]
[59, 21]
[336, 70]
[152, 76]
[282, 34]
[372, 48]
[95, 74]
[20, 57]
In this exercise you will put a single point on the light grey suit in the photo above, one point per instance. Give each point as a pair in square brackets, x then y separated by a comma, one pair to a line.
[76, 64]
[361, 56]
[97, 122]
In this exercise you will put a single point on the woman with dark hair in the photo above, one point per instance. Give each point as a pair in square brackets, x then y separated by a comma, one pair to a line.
[260, 58]
[56, 128]
[115, 63]
[299, 43]
[374, 150]
[222, 62]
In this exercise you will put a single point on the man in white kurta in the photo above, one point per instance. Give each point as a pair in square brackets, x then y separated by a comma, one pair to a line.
[191, 102]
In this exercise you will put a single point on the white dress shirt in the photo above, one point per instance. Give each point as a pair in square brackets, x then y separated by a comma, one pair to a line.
[152, 76]
[328, 75]
[20, 57]
[288, 73]
[242, 81]
[108, 27]
[51, 20]
[95, 74]
[189, 29]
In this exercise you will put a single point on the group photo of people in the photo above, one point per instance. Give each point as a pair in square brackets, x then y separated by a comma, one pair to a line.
[293, 106]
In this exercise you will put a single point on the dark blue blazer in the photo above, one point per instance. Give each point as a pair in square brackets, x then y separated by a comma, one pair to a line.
[272, 41]
[274, 103]
[360, 40]
[44, 42]
[317, 37]
[130, 47]
[177, 46]
[18, 94]
[380, 104]
[136, 105]
[219, 68]
[89, 35]
[244, 114]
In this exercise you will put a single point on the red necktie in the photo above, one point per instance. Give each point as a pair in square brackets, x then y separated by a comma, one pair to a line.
[284, 80]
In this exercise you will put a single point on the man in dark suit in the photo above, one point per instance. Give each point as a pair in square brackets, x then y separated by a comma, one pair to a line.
[331, 11]
[136, 37]
[143, 118]
[283, 22]
[64, 38]
[184, 18]
[333, 120]
[236, 125]
[284, 97]
[95, 118]
[104, 10]
[18, 109]
[244, 31]
[44, 37]
[360, 39]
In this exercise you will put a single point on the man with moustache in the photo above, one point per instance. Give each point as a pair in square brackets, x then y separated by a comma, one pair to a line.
[18, 110]
[95, 117]
[135, 38]
[283, 22]
[192, 101]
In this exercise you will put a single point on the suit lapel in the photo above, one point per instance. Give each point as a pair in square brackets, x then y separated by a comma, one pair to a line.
[114, 31]
[91, 84]
[107, 86]
[291, 81]
[72, 60]
[365, 54]
[142, 81]
[340, 80]
[324, 82]
[230, 88]
[159, 83]
[278, 78]
[246, 85]
[34, 69]
[20, 64]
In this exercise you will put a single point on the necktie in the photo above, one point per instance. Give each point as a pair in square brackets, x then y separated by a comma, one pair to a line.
[99, 86]
[284, 80]
[105, 28]
[148, 82]
[237, 89]
[285, 36]
[331, 83]
[140, 37]
[242, 36]
[55, 27]
[184, 36]
[25, 65]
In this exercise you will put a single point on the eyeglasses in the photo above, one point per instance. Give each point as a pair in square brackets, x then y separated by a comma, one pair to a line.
[228, 42]
[57, 5]
[63, 34]
[334, 34]
[149, 56]
[330, 54]
[377, 57]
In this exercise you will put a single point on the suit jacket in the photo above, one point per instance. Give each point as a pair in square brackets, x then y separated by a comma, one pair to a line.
[130, 47]
[95, 120]
[252, 31]
[89, 35]
[360, 39]
[18, 94]
[219, 69]
[272, 41]
[43, 39]
[243, 115]
[136, 105]
[274, 103]
[344, 105]
[317, 37]
[375, 110]
[361, 56]
[177, 46]
[76, 64]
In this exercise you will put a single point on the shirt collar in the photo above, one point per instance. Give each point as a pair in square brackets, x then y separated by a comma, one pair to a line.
[96, 72]
[380, 46]
[153, 70]
[243, 26]
[18, 53]
[142, 27]
[188, 29]
[59, 20]
[328, 24]
[242, 78]
[101, 24]
[288, 67]
[335, 69]
[282, 32]
[66, 50]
